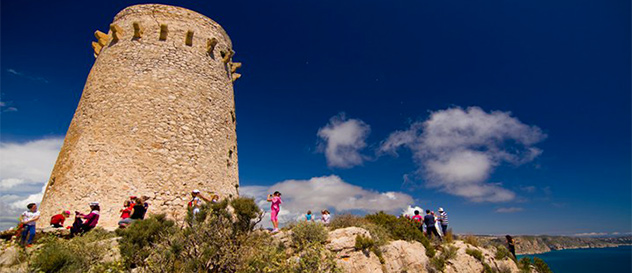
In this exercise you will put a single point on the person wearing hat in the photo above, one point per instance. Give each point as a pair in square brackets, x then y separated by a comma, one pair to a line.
[91, 219]
[58, 219]
[195, 202]
[443, 220]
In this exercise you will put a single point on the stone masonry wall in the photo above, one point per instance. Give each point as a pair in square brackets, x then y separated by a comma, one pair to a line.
[156, 117]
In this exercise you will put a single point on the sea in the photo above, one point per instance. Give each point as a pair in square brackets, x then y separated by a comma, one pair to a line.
[611, 260]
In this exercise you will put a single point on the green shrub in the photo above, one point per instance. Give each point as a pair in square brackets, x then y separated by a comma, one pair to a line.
[380, 235]
[477, 254]
[438, 263]
[307, 233]
[139, 238]
[487, 268]
[315, 258]
[247, 212]
[74, 255]
[347, 220]
[541, 266]
[525, 265]
[449, 253]
[503, 253]
[401, 229]
[363, 243]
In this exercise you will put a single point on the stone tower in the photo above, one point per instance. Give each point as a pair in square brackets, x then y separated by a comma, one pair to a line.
[156, 117]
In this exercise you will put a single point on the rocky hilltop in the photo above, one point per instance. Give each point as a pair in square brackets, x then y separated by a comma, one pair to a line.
[545, 243]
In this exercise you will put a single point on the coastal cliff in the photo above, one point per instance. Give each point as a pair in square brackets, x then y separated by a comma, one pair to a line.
[545, 243]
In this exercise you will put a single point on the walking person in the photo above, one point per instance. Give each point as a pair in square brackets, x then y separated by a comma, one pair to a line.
[28, 219]
[275, 207]
[429, 221]
[443, 220]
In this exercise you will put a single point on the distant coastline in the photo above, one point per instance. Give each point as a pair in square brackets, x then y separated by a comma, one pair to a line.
[529, 245]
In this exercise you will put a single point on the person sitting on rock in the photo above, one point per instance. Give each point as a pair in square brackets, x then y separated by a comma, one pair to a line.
[309, 217]
[57, 220]
[326, 218]
[144, 199]
[126, 211]
[137, 214]
[91, 220]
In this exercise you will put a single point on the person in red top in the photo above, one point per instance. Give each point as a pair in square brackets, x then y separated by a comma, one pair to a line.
[127, 209]
[417, 218]
[58, 220]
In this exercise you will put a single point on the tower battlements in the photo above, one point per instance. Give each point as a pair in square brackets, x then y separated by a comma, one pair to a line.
[156, 117]
[171, 27]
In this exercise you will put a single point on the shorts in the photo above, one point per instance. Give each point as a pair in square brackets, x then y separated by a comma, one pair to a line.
[273, 215]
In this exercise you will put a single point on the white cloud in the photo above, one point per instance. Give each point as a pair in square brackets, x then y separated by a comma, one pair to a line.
[327, 192]
[24, 75]
[24, 171]
[343, 140]
[410, 211]
[458, 149]
[509, 210]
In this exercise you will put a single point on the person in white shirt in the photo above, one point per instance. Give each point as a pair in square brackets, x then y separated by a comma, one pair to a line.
[28, 219]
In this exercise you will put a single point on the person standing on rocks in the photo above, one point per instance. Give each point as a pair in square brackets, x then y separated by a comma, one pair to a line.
[429, 221]
[275, 207]
[418, 220]
[511, 245]
[443, 220]
[28, 219]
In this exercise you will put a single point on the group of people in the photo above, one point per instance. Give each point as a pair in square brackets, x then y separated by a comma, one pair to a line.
[133, 209]
[325, 217]
[83, 222]
[432, 224]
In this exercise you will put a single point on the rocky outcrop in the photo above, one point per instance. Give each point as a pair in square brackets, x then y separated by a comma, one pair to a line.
[402, 256]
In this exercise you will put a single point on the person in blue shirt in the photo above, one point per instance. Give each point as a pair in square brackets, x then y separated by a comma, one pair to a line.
[429, 221]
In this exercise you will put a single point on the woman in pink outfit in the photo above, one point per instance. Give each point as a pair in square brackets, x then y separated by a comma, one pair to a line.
[276, 201]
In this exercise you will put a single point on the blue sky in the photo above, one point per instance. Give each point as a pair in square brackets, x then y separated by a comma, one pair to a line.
[532, 97]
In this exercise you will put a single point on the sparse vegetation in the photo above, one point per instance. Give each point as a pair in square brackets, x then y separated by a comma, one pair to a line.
[367, 244]
[139, 239]
[541, 266]
[524, 265]
[477, 254]
[438, 263]
[74, 255]
[449, 236]
[348, 220]
[401, 229]
[471, 239]
[308, 233]
[502, 253]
